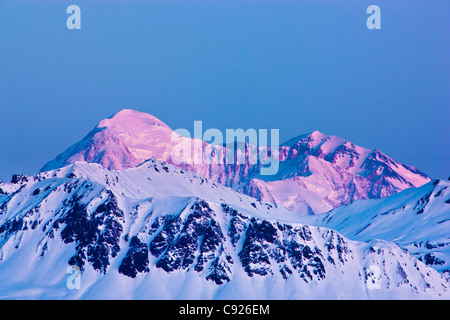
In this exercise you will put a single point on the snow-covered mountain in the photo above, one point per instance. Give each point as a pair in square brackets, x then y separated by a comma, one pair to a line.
[327, 171]
[158, 231]
[417, 219]
[123, 141]
[317, 172]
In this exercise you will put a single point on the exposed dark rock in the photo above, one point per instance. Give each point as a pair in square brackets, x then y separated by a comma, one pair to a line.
[96, 235]
[136, 260]
[178, 243]
[19, 178]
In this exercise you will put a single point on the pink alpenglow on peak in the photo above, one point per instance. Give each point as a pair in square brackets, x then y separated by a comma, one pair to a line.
[122, 141]
[131, 121]
[316, 173]
[144, 135]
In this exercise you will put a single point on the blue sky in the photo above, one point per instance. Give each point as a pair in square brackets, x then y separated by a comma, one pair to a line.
[297, 66]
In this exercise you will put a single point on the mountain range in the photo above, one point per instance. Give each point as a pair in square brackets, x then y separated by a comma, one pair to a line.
[337, 221]
[317, 172]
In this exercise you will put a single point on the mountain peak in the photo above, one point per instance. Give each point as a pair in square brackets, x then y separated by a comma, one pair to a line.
[316, 134]
[325, 164]
[131, 119]
[121, 141]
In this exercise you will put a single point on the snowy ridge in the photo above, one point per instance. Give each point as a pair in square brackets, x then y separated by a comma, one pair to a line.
[156, 231]
[326, 172]
[317, 172]
[417, 219]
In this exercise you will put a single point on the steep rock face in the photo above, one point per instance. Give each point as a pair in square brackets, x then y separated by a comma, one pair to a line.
[292, 249]
[195, 242]
[136, 261]
[96, 233]
[89, 221]
[317, 172]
